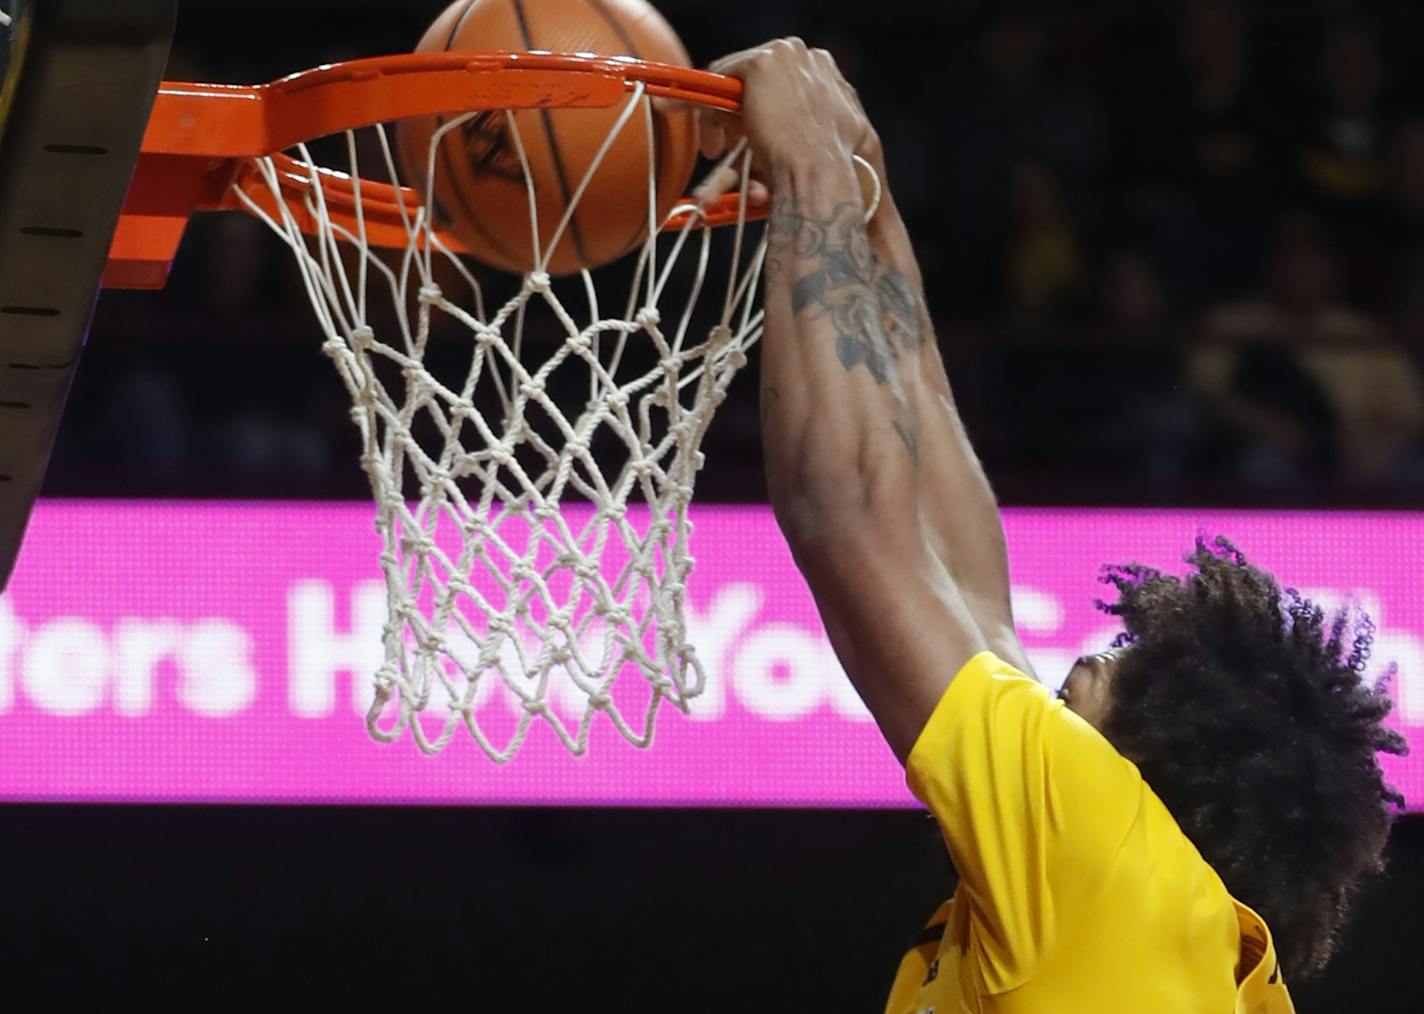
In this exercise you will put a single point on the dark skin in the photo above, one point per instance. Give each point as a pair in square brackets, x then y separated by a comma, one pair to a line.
[872, 476]
[1088, 688]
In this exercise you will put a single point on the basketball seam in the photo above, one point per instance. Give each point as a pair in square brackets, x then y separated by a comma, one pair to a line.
[633, 51]
[617, 26]
[459, 24]
[458, 192]
[558, 159]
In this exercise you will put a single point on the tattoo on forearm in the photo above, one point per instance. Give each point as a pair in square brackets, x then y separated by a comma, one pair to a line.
[835, 275]
[873, 306]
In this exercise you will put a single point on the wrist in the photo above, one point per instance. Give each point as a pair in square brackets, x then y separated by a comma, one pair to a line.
[819, 177]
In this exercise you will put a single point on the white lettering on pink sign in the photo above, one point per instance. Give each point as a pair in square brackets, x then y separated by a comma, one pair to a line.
[225, 652]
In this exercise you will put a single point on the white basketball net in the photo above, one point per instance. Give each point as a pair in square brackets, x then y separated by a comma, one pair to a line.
[492, 578]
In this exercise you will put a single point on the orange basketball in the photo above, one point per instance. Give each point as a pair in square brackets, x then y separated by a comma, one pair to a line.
[480, 193]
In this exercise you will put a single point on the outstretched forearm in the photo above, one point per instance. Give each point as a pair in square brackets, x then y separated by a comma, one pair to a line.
[839, 405]
[855, 399]
[842, 395]
[858, 411]
[960, 512]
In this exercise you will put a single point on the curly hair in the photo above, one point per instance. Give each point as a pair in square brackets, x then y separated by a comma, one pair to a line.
[1246, 709]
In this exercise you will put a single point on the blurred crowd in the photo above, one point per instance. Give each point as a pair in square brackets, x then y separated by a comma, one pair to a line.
[1188, 258]
[1175, 254]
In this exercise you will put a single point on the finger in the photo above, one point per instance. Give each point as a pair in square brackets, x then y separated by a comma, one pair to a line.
[718, 131]
[864, 147]
[832, 69]
[758, 194]
[733, 63]
[664, 106]
[712, 137]
[730, 63]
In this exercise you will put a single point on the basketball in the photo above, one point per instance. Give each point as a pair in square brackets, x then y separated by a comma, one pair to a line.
[480, 193]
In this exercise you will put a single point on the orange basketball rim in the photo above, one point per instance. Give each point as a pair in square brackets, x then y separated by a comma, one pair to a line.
[198, 152]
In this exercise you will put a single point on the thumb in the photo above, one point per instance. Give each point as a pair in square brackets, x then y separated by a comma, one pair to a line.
[718, 131]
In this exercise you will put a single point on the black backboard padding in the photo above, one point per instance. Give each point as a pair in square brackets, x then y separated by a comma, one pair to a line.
[79, 85]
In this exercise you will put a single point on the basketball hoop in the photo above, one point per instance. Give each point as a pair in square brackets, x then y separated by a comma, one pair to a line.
[532, 500]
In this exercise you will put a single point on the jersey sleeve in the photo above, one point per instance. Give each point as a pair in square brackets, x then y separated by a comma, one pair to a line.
[1033, 802]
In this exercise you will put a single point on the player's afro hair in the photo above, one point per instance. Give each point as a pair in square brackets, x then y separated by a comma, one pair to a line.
[1245, 708]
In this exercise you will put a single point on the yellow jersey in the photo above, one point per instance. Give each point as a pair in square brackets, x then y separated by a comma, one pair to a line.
[1078, 892]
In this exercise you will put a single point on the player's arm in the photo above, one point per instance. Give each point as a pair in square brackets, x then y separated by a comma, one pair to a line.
[853, 401]
[960, 512]
[841, 428]
[958, 507]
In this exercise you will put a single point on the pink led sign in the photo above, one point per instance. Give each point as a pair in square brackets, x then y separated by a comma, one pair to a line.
[222, 652]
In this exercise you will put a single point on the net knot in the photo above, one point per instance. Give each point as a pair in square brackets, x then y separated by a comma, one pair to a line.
[615, 397]
[420, 544]
[491, 582]
[683, 429]
[723, 350]
[372, 462]
[389, 503]
[500, 455]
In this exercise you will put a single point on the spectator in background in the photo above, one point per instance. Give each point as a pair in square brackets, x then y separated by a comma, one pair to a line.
[1158, 417]
[1002, 107]
[1106, 394]
[1207, 157]
[1409, 333]
[1402, 234]
[1044, 266]
[1275, 423]
[1342, 158]
[1300, 382]
[1387, 261]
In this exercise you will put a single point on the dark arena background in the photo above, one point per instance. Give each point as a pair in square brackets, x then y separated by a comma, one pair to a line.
[1175, 257]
